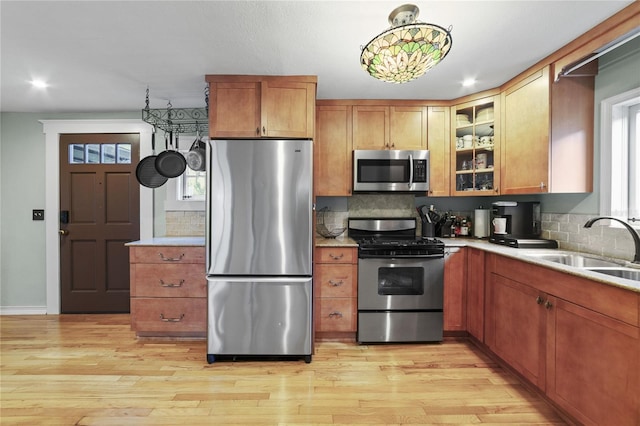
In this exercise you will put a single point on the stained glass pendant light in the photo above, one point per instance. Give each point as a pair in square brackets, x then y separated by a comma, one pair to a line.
[406, 50]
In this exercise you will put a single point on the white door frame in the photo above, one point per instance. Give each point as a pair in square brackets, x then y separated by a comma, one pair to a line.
[52, 130]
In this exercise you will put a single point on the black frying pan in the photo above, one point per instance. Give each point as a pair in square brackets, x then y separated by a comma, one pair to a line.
[171, 163]
[146, 171]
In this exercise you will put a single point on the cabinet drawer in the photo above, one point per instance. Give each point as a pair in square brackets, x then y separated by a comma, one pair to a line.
[167, 254]
[168, 280]
[336, 280]
[336, 255]
[336, 314]
[171, 316]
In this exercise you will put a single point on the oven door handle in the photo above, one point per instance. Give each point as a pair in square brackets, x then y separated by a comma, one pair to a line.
[401, 256]
[410, 171]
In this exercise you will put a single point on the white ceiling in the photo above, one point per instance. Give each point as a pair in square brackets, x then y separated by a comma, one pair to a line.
[102, 55]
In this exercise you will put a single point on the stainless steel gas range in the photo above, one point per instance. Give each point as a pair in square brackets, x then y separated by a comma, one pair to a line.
[400, 281]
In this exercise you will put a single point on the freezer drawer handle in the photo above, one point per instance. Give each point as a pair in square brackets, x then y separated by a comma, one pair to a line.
[171, 259]
[163, 284]
[162, 318]
[336, 283]
[335, 314]
[334, 257]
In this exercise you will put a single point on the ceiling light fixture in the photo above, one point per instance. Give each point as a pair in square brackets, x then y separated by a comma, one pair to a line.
[408, 49]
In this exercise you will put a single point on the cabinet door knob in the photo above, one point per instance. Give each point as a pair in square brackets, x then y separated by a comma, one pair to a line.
[542, 185]
[548, 305]
[539, 300]
[264, 130]
[257, 130]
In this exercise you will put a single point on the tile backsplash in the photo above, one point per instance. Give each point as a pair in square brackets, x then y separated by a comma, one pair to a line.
[568, 229]
[185, 223]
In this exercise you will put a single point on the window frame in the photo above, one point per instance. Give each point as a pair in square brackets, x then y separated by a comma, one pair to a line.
[615, 124]
[174, 188]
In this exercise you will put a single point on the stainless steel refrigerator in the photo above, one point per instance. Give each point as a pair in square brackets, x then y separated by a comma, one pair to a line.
[259, 247]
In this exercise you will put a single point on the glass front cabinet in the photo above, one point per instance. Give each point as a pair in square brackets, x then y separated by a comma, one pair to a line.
[475, 159]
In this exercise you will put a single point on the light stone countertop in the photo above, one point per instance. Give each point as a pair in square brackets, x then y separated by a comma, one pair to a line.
[522, 254]
[170, 241]
[525, 255]
[340, 241]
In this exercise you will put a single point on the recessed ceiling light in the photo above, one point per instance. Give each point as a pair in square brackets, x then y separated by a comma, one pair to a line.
[39, 84]
[469, 82]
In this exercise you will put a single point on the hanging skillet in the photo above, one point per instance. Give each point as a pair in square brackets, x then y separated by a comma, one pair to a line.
[146, 171]
[171, 163]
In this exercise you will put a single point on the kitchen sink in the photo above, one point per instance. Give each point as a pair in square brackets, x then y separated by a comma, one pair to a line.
[620, 272]
[575, 260]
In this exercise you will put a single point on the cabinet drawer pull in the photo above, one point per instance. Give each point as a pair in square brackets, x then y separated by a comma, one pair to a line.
[163, 284]
[162, 318]
[334, 257]
[171, 259]
[335, 314]
[336, 283]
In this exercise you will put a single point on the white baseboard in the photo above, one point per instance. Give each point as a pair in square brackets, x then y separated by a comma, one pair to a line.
[23, 310]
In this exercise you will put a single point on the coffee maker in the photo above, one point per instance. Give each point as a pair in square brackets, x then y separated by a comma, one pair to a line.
[523, 227]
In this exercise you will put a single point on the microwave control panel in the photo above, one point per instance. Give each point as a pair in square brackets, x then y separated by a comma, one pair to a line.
[419, 170]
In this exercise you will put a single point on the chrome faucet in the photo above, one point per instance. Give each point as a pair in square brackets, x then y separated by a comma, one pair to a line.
[634, 234]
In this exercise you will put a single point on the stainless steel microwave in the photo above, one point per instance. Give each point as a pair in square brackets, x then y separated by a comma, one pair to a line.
[390, 171]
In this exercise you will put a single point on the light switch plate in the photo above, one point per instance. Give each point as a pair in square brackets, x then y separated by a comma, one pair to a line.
[38, 214]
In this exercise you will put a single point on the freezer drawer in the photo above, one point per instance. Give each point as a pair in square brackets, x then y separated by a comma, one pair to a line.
[259, 316]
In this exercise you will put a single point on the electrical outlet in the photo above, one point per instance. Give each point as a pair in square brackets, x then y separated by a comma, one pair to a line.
[38, 214]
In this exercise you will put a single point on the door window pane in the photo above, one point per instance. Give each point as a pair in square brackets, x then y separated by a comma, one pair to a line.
[92, 153]
[108, 153]
[124, 153]
[76, 154]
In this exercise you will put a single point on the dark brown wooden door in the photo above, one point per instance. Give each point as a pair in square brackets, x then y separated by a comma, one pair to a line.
[99, 213]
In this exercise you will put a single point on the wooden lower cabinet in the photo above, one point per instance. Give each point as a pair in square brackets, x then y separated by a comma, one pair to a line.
[475, 293]
[516, 327]
[593, 365]
[577, 340]
[335, 292]
[455, 287]
[168, 291]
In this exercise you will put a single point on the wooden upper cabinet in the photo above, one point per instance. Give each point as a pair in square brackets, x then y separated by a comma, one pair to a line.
[333, 151]
[408, 127]
[438, 136]
[288, 108]
[525, 145]
[370, 127]
[234, 110]
[261, 106]
[475, 147]
[547, 135]
[389, 127]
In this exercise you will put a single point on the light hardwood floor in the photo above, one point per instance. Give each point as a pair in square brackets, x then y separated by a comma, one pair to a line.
[91, 370]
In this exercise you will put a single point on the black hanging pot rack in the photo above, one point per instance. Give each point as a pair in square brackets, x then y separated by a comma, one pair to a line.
[178, 120]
